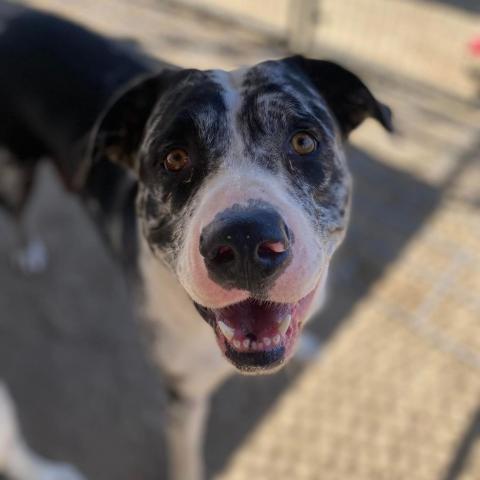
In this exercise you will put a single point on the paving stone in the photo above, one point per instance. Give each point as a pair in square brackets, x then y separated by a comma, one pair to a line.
[395, 393]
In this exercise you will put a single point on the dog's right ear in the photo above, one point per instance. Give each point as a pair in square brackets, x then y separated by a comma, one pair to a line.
[119, 131]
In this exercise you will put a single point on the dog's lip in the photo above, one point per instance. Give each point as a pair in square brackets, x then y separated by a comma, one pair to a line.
[256, 335]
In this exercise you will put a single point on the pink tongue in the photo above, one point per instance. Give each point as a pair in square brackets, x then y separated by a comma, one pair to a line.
[252, 317]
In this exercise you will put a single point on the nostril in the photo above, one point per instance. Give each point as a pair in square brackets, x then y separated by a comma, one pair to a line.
[224, 254]
[271, 248]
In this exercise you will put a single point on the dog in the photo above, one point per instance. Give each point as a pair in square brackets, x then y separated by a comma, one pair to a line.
[225, 193]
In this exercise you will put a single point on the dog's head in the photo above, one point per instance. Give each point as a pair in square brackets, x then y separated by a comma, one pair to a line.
[243, 189]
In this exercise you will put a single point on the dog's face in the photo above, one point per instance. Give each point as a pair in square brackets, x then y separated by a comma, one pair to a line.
[243, 189]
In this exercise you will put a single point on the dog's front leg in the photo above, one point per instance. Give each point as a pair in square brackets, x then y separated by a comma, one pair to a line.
[186, 418]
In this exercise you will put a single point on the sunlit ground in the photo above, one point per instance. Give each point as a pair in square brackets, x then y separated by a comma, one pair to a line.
[394, 392]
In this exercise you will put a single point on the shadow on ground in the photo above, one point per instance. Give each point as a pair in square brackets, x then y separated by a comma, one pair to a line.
[464, 449]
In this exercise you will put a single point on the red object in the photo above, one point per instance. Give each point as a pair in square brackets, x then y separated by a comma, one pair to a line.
[474, 46]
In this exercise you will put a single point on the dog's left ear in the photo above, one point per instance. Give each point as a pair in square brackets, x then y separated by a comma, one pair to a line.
[119, 131]
[346, 95]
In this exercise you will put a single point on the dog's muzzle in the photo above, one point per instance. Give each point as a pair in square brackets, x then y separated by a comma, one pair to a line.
[248, 249]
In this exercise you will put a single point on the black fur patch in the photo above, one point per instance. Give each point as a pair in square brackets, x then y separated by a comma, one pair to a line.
[190, 115]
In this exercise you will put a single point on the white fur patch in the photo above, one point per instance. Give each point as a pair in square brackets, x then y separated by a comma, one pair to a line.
[185, 345]
[231, 83]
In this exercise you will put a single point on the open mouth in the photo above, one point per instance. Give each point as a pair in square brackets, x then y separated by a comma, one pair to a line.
[257, 335]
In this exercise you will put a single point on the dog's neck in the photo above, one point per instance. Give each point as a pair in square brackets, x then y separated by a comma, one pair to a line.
[164, 299]
[182, 337]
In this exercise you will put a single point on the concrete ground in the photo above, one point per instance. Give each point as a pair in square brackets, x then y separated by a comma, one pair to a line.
[395, 391]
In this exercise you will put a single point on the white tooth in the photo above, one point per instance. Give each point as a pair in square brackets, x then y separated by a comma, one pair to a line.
[246, 343]
[283, 327]
[227, 331]
[253, 345]
[236, 343]
[267, 341]
[276, 339]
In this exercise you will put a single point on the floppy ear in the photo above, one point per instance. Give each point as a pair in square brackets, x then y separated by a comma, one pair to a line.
[347, 97]
[118, 132]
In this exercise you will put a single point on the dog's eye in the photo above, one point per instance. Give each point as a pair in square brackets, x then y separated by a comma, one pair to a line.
[303, 143]
[176, 160]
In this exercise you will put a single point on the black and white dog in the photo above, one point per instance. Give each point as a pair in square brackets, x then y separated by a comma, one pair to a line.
[236, 181]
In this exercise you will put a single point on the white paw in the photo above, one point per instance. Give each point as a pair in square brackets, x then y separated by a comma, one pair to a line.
[33, 258]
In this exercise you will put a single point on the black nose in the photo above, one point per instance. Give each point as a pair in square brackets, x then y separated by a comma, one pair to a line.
[245, 248]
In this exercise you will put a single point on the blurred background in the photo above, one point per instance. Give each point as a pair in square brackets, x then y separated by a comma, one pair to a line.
[394, 390]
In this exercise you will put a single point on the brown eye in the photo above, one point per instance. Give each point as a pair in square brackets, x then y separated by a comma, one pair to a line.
[176, 160]
[303, 143]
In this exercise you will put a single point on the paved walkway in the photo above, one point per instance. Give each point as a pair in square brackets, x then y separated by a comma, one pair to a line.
[395, 391]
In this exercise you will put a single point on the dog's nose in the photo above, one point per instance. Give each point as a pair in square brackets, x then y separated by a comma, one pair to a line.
[246, 248]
